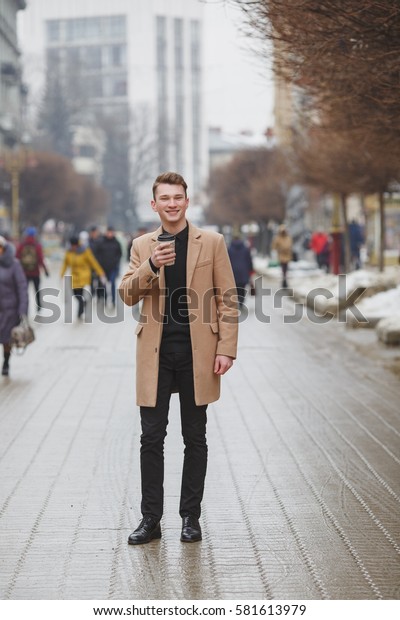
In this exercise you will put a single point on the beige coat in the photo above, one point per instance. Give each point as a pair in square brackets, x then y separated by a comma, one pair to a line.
[283, 243]
[211, 301]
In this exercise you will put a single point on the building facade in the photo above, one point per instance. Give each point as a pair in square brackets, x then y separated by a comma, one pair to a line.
[12, 91]
[140, 62]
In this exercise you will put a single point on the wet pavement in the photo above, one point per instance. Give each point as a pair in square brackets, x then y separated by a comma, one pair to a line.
[303, 486]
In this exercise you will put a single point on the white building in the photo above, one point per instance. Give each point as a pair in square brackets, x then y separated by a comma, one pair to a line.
[132, 54]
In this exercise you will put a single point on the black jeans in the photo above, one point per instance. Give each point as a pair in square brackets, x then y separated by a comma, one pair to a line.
[36, 284]
[284, 268]
[241, 293]
[81, 296]
[176, 369]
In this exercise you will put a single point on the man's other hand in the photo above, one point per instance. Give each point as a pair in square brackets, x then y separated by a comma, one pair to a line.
[222, 364]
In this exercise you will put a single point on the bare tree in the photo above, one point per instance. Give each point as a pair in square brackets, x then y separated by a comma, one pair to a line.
[342, 57]
[250, 187]
[52, 189]
[143, 151]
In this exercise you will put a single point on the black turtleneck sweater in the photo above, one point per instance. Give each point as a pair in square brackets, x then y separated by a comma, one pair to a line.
[176, 330]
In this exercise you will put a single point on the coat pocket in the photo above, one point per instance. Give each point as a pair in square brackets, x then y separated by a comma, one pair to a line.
[203, 263]
[214, 328]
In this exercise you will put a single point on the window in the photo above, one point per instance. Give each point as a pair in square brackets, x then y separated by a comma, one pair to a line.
[107, 86]
[178, 43]
[195, 44]
[92, 28]
[118, 55]
[92, 57]
[83, 28]
[120, 87]
[115, 27]
[53, 30]
[114, 86]
[161, 41]
[53, 58]
[94, 86]
[73, 57]
[74, 29]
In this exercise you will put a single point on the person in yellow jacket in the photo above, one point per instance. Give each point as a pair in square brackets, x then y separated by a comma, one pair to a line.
[81, 261]
[283, 244]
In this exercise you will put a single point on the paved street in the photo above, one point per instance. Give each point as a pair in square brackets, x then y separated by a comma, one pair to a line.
[303, 487]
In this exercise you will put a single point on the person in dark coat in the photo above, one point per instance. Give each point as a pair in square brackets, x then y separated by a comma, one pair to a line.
[242, 266]
[13, 297]
[108, 254]
[356, 243]
[30, 255]
[94, 239]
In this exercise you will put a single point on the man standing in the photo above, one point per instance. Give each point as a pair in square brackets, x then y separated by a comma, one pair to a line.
[186, 339]
[108, 254]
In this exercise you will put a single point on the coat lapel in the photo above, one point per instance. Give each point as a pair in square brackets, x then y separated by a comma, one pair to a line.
[161, 281]
[154, 236]
[194, 247]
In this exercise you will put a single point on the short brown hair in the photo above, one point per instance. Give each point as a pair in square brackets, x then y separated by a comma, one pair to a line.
[171, 178]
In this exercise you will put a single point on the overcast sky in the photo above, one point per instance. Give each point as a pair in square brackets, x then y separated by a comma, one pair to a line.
[238, 87]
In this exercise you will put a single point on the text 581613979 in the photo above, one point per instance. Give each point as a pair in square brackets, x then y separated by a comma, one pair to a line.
[270, 610]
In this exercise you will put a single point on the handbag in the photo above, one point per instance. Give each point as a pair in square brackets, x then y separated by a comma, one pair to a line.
[22, 335]
[252, 285]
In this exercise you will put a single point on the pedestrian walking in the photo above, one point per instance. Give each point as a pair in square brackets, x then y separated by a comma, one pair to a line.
[109, 253]
[283, 244]
[94, 239]
[30, 254]
[356, 242]
[13, 298]
[321, 247]
[80, 260]
[186, 339]
[242, 266]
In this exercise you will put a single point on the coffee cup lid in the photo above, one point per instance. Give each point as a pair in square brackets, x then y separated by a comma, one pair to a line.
[166, 237]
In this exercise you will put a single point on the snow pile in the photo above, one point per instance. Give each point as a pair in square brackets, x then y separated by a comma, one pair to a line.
[379, 303]
[383, 304]
[388, 330]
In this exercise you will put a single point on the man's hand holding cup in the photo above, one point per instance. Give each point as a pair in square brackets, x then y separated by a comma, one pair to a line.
[164, 253]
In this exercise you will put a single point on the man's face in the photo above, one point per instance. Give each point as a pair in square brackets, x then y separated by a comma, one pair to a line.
[171, 204]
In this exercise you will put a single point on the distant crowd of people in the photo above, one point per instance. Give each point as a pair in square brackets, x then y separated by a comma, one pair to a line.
[321, 244]
[19, 266]
[93, 260]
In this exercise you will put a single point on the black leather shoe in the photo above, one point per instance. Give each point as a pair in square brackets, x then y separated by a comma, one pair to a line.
[148, 530]
[5, 370]
[191, 530]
